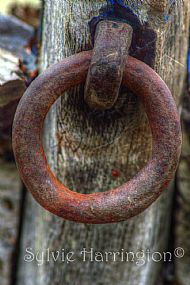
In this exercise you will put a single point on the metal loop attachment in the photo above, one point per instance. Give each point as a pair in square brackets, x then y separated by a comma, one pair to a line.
[117, 204]
[112, 42]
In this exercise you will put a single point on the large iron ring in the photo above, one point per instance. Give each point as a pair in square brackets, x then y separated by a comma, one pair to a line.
[117, 204]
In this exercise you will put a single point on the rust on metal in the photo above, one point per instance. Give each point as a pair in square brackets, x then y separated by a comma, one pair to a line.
[112, 42]
[117, 204]
[144, 39]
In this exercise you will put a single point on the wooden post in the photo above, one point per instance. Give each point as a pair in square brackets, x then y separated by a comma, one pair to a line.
[85, 149]
[182, 209]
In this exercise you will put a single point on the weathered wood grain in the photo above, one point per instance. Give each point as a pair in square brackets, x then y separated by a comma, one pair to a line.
[10, 187]
[182, 211]
[84, 147]
[14, 35]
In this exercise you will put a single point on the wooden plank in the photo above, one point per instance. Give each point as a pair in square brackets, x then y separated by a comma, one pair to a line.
[83, 148]
[14, 38]
[182, 211]
[14, 35]
[10, 195]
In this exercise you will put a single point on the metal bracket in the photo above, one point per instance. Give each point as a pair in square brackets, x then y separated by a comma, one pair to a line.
[102, 85]
[112, 42]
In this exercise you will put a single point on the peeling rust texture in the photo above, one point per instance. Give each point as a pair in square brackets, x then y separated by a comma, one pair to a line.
[112, 42]
[117, 204]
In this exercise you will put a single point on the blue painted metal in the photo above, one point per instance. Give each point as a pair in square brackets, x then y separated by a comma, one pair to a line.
[112, 2]
[116, 11]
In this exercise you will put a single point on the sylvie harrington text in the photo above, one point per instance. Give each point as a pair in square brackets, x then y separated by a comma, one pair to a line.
[140, 257]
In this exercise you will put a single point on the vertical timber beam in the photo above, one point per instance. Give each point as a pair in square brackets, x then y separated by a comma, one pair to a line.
[88, 148]
[182, 210]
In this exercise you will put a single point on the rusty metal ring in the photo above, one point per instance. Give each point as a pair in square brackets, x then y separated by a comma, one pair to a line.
[115, 205]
